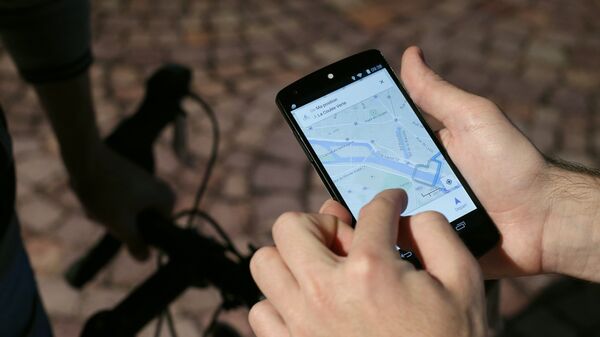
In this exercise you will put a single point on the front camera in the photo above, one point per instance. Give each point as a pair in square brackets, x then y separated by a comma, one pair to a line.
[330, 76]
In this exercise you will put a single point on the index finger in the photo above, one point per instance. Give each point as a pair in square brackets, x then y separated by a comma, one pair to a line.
[377, 226]
[305, 241]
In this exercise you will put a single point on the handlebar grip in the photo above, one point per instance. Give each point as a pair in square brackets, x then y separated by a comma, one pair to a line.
[86, 268]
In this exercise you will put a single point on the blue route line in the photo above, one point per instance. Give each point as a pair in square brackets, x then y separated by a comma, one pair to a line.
[375, 158]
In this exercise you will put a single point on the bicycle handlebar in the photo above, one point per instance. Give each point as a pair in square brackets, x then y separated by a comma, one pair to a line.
[194, 260]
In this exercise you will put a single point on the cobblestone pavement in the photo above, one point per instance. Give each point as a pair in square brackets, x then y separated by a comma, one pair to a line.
[538, 59]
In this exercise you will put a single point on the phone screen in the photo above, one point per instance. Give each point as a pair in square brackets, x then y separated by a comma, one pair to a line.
[368, 139]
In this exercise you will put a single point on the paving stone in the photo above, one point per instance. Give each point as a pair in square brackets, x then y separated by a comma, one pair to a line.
[97, 298]
[45, 254]
[546, 53]
[316, 199]
[39, 215]
[574, 141]
[128, 272]
[283, 145]
[278, 176]
[187, 327]
[23, 147]
[58, 297]
[78, 231]
[269, 208]
[66, 326]
[585, 55]
[596, 143]
[543, 138]
[251, 85]
[166, 161]
[250, 138]
[236, 185]
[571, 101]
[471, 79]
[507, 45]
[314, 179]
[233, 217]
[517, 91]
[238, 319]
[6, 64]
[433, 42]
[329, 52]
[67, 199]
[198, 300]
[539, 75]
[124, 76]
[239, 159]
[501, 64]
[38, 168]
[582, 79]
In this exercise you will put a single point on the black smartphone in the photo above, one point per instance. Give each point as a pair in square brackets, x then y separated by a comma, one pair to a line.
[363, 134]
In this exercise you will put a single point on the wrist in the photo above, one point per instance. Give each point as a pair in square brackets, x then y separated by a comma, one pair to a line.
[571, 235]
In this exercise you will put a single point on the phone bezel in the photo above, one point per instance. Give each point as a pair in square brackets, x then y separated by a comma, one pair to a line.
[480, 234]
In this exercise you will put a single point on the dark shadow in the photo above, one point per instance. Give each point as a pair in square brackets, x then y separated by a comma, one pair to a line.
[568, 308]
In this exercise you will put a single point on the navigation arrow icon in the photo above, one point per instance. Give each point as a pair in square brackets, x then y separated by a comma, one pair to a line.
[456, 201]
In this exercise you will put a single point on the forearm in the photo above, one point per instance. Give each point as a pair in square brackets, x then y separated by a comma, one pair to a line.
[50, 45]
[571, 239]
[69, 106]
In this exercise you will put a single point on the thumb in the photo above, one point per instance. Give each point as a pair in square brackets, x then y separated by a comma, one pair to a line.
[440, 99]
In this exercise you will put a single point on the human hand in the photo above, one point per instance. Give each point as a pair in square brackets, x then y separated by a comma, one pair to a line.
[114, 191]
[325, 279]
[542, 211]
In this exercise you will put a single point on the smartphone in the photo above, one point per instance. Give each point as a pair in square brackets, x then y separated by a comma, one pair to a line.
[363, 134]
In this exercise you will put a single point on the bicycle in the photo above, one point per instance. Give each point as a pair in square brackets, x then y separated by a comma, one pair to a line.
[194, 259]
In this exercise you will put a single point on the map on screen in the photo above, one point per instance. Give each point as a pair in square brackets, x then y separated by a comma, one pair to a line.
[379, 143]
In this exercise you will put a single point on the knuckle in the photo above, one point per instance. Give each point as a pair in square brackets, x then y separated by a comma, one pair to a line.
[261, 257]
[477, 107]
[317, 292]
[364, 266]
[284, 221]
[485, 104]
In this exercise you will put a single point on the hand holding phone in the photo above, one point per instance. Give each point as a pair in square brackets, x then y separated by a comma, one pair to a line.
[363, 134]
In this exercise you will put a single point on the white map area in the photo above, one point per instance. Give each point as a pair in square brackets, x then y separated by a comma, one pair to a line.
[378, 144]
